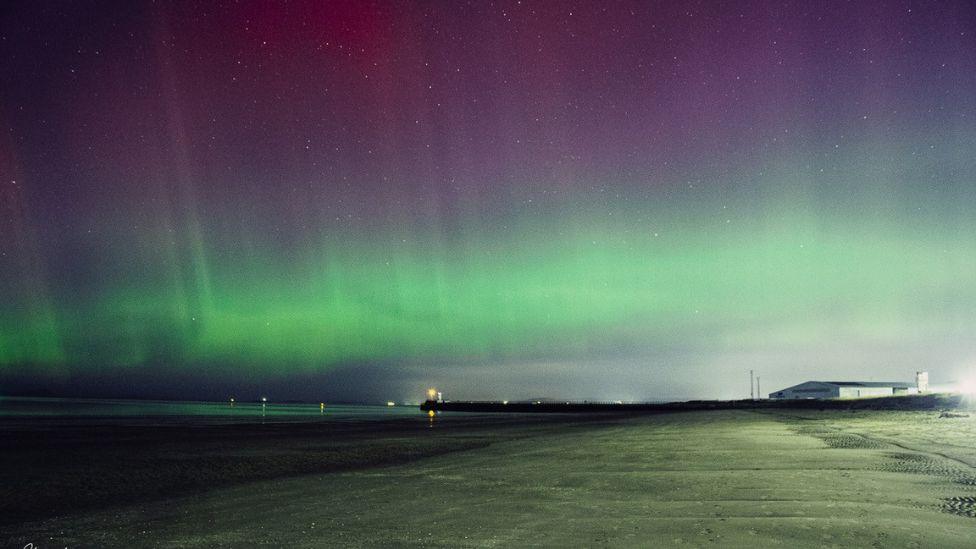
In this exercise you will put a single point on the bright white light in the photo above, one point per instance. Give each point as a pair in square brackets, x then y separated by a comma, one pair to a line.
[967, 386]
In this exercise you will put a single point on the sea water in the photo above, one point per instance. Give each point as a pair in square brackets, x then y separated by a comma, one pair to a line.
[25, 408]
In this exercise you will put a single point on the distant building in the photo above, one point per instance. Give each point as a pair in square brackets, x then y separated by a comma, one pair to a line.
[922, 381]
[845, 389]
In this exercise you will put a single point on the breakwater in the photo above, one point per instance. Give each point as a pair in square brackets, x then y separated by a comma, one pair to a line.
[938, 401]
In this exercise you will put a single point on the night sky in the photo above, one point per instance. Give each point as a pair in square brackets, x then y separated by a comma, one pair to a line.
[603, 200]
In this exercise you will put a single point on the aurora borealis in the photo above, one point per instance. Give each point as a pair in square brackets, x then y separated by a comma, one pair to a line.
[631, 200]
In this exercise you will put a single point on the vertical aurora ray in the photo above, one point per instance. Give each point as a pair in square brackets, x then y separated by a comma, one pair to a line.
[29, 331]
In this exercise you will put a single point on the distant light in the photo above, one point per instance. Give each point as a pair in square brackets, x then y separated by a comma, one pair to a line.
[504, 402]
[431, 393]
[967, 386]
[264, 399]
[232, 399]
[390, 403]
[430, 414]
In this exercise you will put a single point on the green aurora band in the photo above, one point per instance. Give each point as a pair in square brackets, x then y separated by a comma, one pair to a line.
[733, 267]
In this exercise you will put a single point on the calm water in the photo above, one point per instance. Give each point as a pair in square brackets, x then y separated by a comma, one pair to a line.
[26, 408]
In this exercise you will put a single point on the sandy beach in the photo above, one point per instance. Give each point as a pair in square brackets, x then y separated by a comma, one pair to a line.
[728, 478]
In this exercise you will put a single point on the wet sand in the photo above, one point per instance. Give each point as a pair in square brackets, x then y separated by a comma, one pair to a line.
[55, 465]
[724, 478]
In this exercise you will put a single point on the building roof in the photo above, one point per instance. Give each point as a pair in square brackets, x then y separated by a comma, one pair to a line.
[892, 384]
[897, 384]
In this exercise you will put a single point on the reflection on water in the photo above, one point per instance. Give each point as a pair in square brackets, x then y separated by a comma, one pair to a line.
[12, 408]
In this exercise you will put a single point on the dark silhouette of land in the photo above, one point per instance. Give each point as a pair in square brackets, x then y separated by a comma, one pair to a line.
[933, 401]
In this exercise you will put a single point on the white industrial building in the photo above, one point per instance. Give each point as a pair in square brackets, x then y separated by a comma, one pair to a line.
[854, 389]
[845, 389]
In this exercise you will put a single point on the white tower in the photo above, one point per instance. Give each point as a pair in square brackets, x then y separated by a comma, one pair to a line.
[922, 381]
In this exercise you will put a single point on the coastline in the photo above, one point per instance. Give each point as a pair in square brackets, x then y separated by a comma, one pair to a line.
[733, 478]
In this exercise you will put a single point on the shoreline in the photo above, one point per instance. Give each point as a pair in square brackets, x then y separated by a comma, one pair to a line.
[735, 478]
[58, 467]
